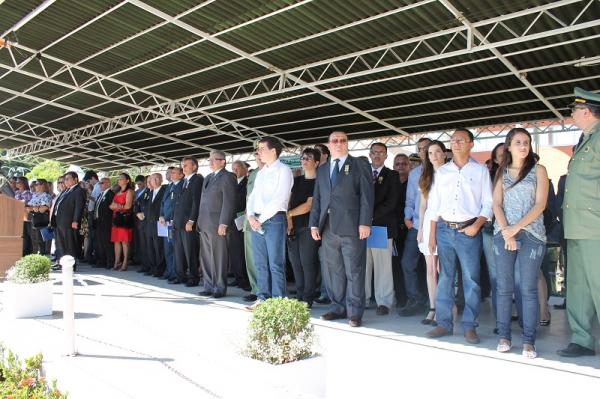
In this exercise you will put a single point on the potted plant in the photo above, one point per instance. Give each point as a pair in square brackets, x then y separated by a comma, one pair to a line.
[28, 290]
[280, 332]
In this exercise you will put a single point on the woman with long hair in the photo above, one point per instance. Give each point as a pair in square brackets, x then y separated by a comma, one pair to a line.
[520, 193]
[122, 230]
[487, 232]
[436, 157]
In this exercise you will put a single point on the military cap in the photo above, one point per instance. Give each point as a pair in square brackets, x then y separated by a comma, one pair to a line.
[584, 97]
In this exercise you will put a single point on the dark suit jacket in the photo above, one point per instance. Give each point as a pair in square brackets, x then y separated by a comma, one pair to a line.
[240, 196]
[71, 207]
[168, 202]
[105, 214]
[217, 202]
[387, 194]
[349, 203]
[152, 211]
[187, 204]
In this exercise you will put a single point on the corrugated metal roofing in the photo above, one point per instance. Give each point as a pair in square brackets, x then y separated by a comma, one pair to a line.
[79, 64]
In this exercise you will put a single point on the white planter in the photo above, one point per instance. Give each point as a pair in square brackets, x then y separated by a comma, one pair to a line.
[28, 300]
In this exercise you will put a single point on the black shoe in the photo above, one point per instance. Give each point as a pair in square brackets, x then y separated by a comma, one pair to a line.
[218, 295]
[575, 350]
[148, 273]
[496, 331]
[411, 309]
[163, 278]
[323, 301]
[56, 267]
[175, 281]
[250, 298]
[191, 283]
[205, 293]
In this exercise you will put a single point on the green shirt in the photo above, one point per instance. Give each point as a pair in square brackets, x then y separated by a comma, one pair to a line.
[581, 206]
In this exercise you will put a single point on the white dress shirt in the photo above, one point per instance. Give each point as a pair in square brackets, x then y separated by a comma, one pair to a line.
[332, 163]
[271, 192]
[94, 196]
[458, 195]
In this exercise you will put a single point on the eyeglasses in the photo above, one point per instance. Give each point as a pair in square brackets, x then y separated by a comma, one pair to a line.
[377, 152]
[340, 141]
[305, 158]
[459, 140]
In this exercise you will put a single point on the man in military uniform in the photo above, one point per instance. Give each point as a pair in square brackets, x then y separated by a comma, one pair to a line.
[581, 209]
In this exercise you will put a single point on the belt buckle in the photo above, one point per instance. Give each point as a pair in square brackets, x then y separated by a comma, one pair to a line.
[453, 225]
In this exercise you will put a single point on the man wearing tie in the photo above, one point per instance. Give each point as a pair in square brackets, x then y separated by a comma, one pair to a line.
[67, 214]
[140, 210]
[341, 214]
[154, 244]
[105, 254]
[175, 174]
[185, 238]
[237, 260]
[215, 220]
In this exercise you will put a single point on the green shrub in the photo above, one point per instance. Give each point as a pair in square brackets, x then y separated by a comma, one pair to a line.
[30, 269]
[280, 332]
[23, 379]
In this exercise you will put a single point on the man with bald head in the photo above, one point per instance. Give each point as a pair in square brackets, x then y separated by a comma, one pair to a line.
[341, 216]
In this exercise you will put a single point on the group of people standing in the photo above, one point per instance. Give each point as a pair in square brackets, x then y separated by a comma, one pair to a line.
[321, 218]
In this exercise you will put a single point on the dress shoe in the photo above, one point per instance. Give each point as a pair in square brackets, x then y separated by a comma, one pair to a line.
[191, 283]
[411, 309]
[174, 281]
[148, 273]
[382, 310]
[218, 295]
[575, 350]
[323, 301]
[332, 316]
[250, 298]
[471, 337]
[438, 332]
[163, 277]
[355, 321]
[205, 293]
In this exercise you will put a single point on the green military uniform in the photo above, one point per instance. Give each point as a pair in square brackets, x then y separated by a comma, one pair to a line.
[581, 209]
[248, 238]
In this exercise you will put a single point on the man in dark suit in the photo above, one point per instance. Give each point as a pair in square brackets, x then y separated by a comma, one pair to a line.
[140, 205]
[67, 214]
[215, 220]
[379, 260]
[102, 215]
[402, 167]
[237, 260]
[341, 214]
[154, 243]
[173, 190]
[185, 238]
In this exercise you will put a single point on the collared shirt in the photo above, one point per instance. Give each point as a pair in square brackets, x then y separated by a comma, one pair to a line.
[239, 179]
[458, 195]
[413, 196]
[332, 163]
[96, 193]
[155, 193]
[376, 169]
[98, 201]
[271, 192]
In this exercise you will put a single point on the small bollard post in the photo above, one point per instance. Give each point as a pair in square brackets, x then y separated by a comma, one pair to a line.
[67, 262]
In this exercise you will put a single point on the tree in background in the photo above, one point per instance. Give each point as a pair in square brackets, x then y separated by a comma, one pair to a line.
[49, 170]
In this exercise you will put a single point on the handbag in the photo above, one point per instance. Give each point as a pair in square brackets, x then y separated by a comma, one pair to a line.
[40, 219]
[47, 233]
[123, 219]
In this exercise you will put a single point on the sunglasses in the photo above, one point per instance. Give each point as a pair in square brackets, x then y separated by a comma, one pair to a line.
[340, 141]
[305, 158]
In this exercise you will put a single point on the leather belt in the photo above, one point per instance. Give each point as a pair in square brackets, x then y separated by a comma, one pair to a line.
[257, 215]
[458, 225]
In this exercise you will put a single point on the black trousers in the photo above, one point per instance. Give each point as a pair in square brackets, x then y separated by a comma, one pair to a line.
[105, 252]
[67, 241]
[187, 252]
[237, 257]
[303, 252]
[141, 245]
[155, 250]
[27, 245]
[37, 242]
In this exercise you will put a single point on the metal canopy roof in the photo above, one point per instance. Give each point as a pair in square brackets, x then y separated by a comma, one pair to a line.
[109, 84]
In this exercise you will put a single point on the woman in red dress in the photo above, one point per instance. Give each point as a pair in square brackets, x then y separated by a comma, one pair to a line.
[122, 236]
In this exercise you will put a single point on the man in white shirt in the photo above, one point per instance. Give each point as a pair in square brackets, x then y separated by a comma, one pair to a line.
[266, 212]
[460, 202]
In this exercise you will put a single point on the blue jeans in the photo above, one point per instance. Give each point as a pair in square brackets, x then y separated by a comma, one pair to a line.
[452, 246]
[409, 263]
[525, 261]
[268, 250]
[487, 233]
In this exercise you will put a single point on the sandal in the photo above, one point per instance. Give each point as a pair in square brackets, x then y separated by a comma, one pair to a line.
[504, 346]
[545, 322]
[427, 320]
[117, 266]
[529, 351]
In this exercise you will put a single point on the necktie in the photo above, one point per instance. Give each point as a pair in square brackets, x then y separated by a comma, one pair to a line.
[335, 172]
[375, 174]
[185, 184]
[97, 205]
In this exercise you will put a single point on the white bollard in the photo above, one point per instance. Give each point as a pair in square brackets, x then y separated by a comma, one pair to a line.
[67, 262]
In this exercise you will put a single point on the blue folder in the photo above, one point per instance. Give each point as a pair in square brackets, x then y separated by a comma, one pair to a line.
[378, 237]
